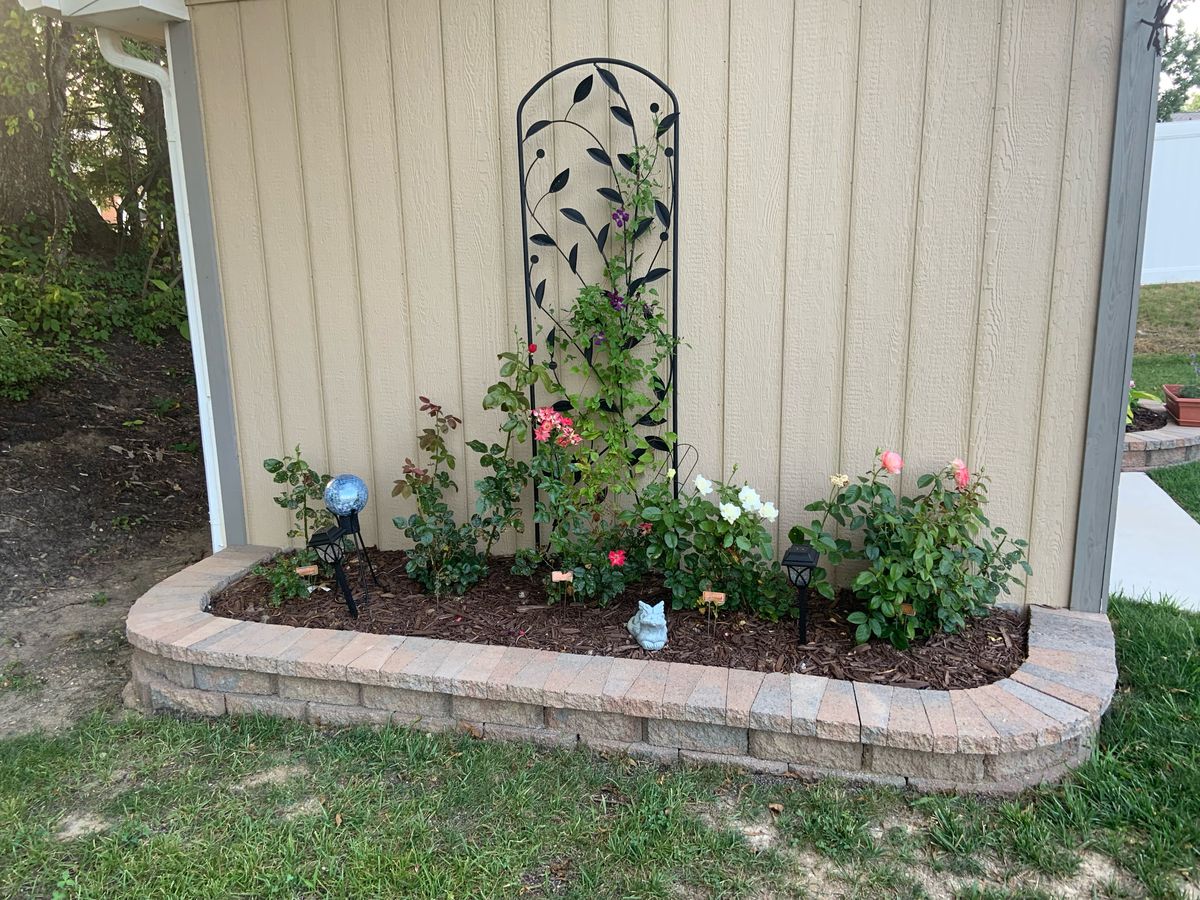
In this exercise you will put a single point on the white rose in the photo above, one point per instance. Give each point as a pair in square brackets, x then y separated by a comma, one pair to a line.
[769, 512]
[730, 512]
[703, 485]
[749, 499]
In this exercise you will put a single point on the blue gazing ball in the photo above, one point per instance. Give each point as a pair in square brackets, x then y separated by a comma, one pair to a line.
[345, 494]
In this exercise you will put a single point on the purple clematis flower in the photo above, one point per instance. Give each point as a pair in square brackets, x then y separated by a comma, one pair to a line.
[620, 216]
[598, 337]
[615, 300]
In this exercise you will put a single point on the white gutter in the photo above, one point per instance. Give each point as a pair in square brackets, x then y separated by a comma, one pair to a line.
[113, 51]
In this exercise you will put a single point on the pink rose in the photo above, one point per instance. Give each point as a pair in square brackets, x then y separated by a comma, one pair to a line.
[891, 461]
[962, 475]
[616, 557]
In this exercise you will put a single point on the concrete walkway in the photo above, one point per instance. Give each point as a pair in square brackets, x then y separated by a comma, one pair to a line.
[1157, 546]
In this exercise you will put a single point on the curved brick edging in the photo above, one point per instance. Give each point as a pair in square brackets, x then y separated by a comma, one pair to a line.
[1019, 731]
[1170, 445]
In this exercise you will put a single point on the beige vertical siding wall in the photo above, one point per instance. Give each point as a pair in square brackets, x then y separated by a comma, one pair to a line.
[892, 213]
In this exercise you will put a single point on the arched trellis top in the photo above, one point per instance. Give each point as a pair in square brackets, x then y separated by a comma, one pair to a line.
[631, 205]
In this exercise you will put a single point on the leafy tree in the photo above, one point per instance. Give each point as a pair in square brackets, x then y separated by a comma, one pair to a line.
[1181, 68]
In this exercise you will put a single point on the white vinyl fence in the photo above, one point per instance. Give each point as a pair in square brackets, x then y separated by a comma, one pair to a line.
[1172, 249]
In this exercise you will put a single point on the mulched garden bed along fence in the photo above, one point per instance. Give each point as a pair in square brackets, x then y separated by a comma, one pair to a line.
[510, 610]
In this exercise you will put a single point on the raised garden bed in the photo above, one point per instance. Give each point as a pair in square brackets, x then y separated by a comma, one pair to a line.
[512, 611]
[1000, 737]
[1168, 445]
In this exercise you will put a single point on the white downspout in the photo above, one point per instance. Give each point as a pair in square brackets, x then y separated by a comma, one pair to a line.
[113, 51]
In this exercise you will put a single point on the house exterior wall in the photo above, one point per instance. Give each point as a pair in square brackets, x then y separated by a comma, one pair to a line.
[891, 224]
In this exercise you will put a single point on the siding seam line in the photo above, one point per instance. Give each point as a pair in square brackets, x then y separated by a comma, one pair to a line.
[454, 265]
[1062, 169]
[312, 290]
[399, 191]
[987, 206]
[725, 235]
[362, 337]
[262, 256]
[849, 242]
[787, 220]
[912, 262]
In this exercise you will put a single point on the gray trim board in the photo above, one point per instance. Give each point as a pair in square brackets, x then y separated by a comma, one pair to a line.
[186, 83]
[1120, 278]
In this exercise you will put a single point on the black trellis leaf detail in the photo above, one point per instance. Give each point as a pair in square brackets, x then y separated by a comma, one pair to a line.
[543, 240]
[573, 258]
[657, 443]
[607, 407]
[612, 195]
[573, 214]
[560, 181]
[666, 123]
[587, 354]
[664, 214]
[637, 454]
[598, 154]
[660, 392]
[649, 419]
[655, 274]
[536, 127]
[551, 337]
[608, 78]
[561, 406]
[642, 228]
[602, 238]
[539, 292]
[626, 160]
[632, 342]
[621, 114]
[582, 90]
[635, 286]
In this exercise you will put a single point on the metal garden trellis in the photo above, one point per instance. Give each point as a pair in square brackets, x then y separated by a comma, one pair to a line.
[667, 126]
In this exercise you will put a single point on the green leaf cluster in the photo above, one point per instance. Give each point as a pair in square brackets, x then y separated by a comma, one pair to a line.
[932, 561]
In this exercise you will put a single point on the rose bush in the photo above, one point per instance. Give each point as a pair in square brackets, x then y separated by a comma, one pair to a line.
[933, 560]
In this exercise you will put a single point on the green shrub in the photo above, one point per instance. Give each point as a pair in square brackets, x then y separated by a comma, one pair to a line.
[24, 364]
[304, 494]
[72, 305]
[715, 539]
[286, 584]
[932, 560]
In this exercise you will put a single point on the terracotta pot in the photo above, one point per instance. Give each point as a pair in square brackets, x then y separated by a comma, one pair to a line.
[1184, 410]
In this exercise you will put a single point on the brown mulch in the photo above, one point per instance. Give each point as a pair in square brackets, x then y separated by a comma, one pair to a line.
[1147, 419]
[510, 610]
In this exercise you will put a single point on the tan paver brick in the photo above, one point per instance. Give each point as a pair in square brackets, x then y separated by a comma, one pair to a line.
[874, 709]
[586, 689]
[1088, 702]
[707, 701]
[908, 726]
[772, 707]
[807, 691]
[621, 678]
[511, 663]
[312, 660]
[556, 691]
[975, 732]
[742, 763]
[458, 658]
[367, 668]
[645, 696]
[472, 679]
[1071, 720]
[681, 681]
[250, 705]
[940, 713]
[528, 684]
[604, 725]
[1016, 730]
[329, 715]
[742, 691]
[837, 718]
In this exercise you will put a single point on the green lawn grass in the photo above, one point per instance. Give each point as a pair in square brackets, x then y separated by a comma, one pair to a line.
[179, 812]
[1168, 333]
[1183, 484]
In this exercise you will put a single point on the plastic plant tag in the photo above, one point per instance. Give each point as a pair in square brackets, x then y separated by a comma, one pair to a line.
[712, 598]
[562, 576]
[305, 571]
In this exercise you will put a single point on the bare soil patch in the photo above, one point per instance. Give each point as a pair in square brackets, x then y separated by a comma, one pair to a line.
[512, 610]
[101, 496]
